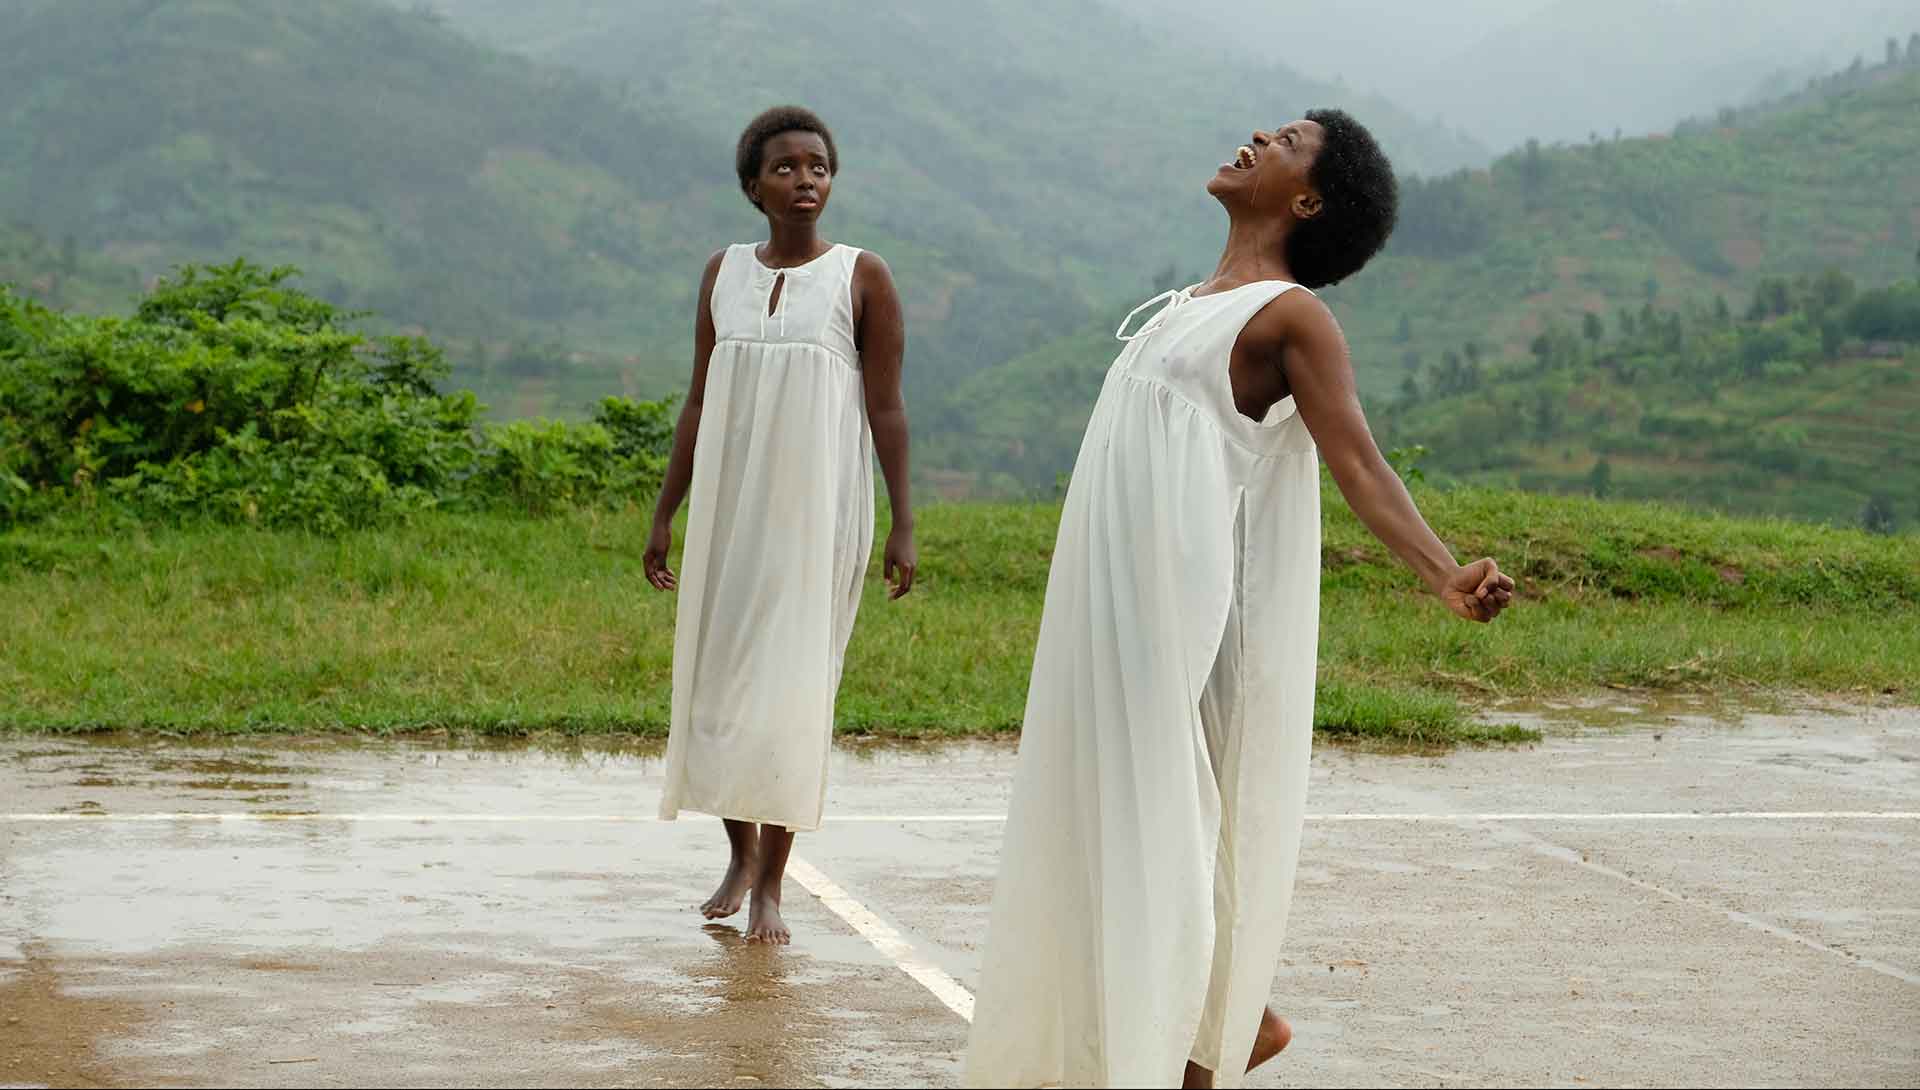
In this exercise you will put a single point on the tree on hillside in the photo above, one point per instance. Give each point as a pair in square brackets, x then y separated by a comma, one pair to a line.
[1533, 171]
[1547, 415]
[1442, 217]
[1452, 375]
[1590, 325]
[1832, 288]
[1542, 349]
[1877, 516]
[1891, 313]
[1772, 297]
[1833, 337]
[1600, 480]
[1893, 51]
[1913, 48]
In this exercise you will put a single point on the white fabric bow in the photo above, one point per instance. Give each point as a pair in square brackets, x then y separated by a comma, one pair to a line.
[1172, 298]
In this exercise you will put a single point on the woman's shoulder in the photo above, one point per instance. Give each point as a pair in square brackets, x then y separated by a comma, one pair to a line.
[866, 263]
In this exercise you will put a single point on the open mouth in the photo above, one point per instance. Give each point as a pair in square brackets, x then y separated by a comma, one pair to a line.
[1245, 158]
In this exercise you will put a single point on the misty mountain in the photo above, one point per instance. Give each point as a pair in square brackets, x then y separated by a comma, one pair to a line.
[1062, 133]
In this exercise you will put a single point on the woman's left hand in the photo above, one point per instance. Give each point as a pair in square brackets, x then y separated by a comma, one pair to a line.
[902, 559]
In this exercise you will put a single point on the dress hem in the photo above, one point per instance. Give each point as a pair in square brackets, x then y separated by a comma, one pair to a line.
[674, 815]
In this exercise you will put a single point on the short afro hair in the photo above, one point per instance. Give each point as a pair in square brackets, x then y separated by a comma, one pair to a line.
[1359, 201]
[749, 154]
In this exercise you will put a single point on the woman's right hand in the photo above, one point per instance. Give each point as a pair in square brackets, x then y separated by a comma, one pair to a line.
[1477, 591]
[655, 560]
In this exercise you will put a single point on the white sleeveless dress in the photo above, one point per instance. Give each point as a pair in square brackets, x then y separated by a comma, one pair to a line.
[1155, 823]
[779, 527]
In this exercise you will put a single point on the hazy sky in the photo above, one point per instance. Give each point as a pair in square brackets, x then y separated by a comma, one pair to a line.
[1506, 70]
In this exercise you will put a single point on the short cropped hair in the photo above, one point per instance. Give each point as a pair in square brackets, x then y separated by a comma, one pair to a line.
[1359, 202]
[750, 153]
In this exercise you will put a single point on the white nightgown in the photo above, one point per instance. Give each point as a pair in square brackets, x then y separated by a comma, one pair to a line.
[1155, 823]
[779, 526]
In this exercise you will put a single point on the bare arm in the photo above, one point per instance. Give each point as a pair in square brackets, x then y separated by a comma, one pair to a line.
[1313, 356]
[673, 490]
[882, 334]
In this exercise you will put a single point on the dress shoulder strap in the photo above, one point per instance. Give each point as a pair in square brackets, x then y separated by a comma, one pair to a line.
[849, 258]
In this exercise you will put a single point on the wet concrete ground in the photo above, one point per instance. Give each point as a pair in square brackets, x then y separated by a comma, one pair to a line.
[488, 917]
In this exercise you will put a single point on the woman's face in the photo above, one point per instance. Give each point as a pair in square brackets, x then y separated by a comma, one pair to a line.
[795, 178]
[1268, 174]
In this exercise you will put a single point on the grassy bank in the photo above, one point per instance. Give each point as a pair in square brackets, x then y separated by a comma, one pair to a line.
[504, 624]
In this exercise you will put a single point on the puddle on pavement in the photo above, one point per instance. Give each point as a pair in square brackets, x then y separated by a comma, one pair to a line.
[1645, 710]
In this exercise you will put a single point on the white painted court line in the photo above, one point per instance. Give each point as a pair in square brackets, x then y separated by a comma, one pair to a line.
[950, 819]
[883, 937]
[1643, 815]
[1565, 854]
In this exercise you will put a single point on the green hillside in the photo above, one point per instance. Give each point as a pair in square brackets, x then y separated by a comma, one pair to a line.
[1492, 256]
[543, 215]
[60, 274]
[549, 234]
[1487, 261]
[1805, 402]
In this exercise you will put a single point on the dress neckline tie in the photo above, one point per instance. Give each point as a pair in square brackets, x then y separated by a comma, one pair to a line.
[1172, 298]
[764, 279]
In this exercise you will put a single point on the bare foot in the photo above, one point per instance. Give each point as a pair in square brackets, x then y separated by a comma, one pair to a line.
[763, 919]
[733, 887]
[1272, 1039]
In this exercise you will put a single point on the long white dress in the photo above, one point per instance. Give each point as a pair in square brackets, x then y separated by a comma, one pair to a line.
[1155, 823]
[779, 526]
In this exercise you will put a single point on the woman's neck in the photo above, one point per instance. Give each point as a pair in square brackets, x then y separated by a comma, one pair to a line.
[792, 243]
[1255, 250]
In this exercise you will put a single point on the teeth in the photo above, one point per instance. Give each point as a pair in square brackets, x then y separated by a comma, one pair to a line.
[1244, 157]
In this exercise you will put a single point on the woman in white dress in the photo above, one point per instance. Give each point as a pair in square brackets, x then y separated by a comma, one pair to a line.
[1155, 822]
[797, 355]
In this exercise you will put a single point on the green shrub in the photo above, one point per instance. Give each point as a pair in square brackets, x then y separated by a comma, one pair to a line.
[231, 396]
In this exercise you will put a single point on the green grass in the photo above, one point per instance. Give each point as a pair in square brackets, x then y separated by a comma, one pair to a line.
[507, 625]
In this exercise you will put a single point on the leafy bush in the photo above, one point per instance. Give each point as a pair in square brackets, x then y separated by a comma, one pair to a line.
[1889, 314]
[229, 395]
